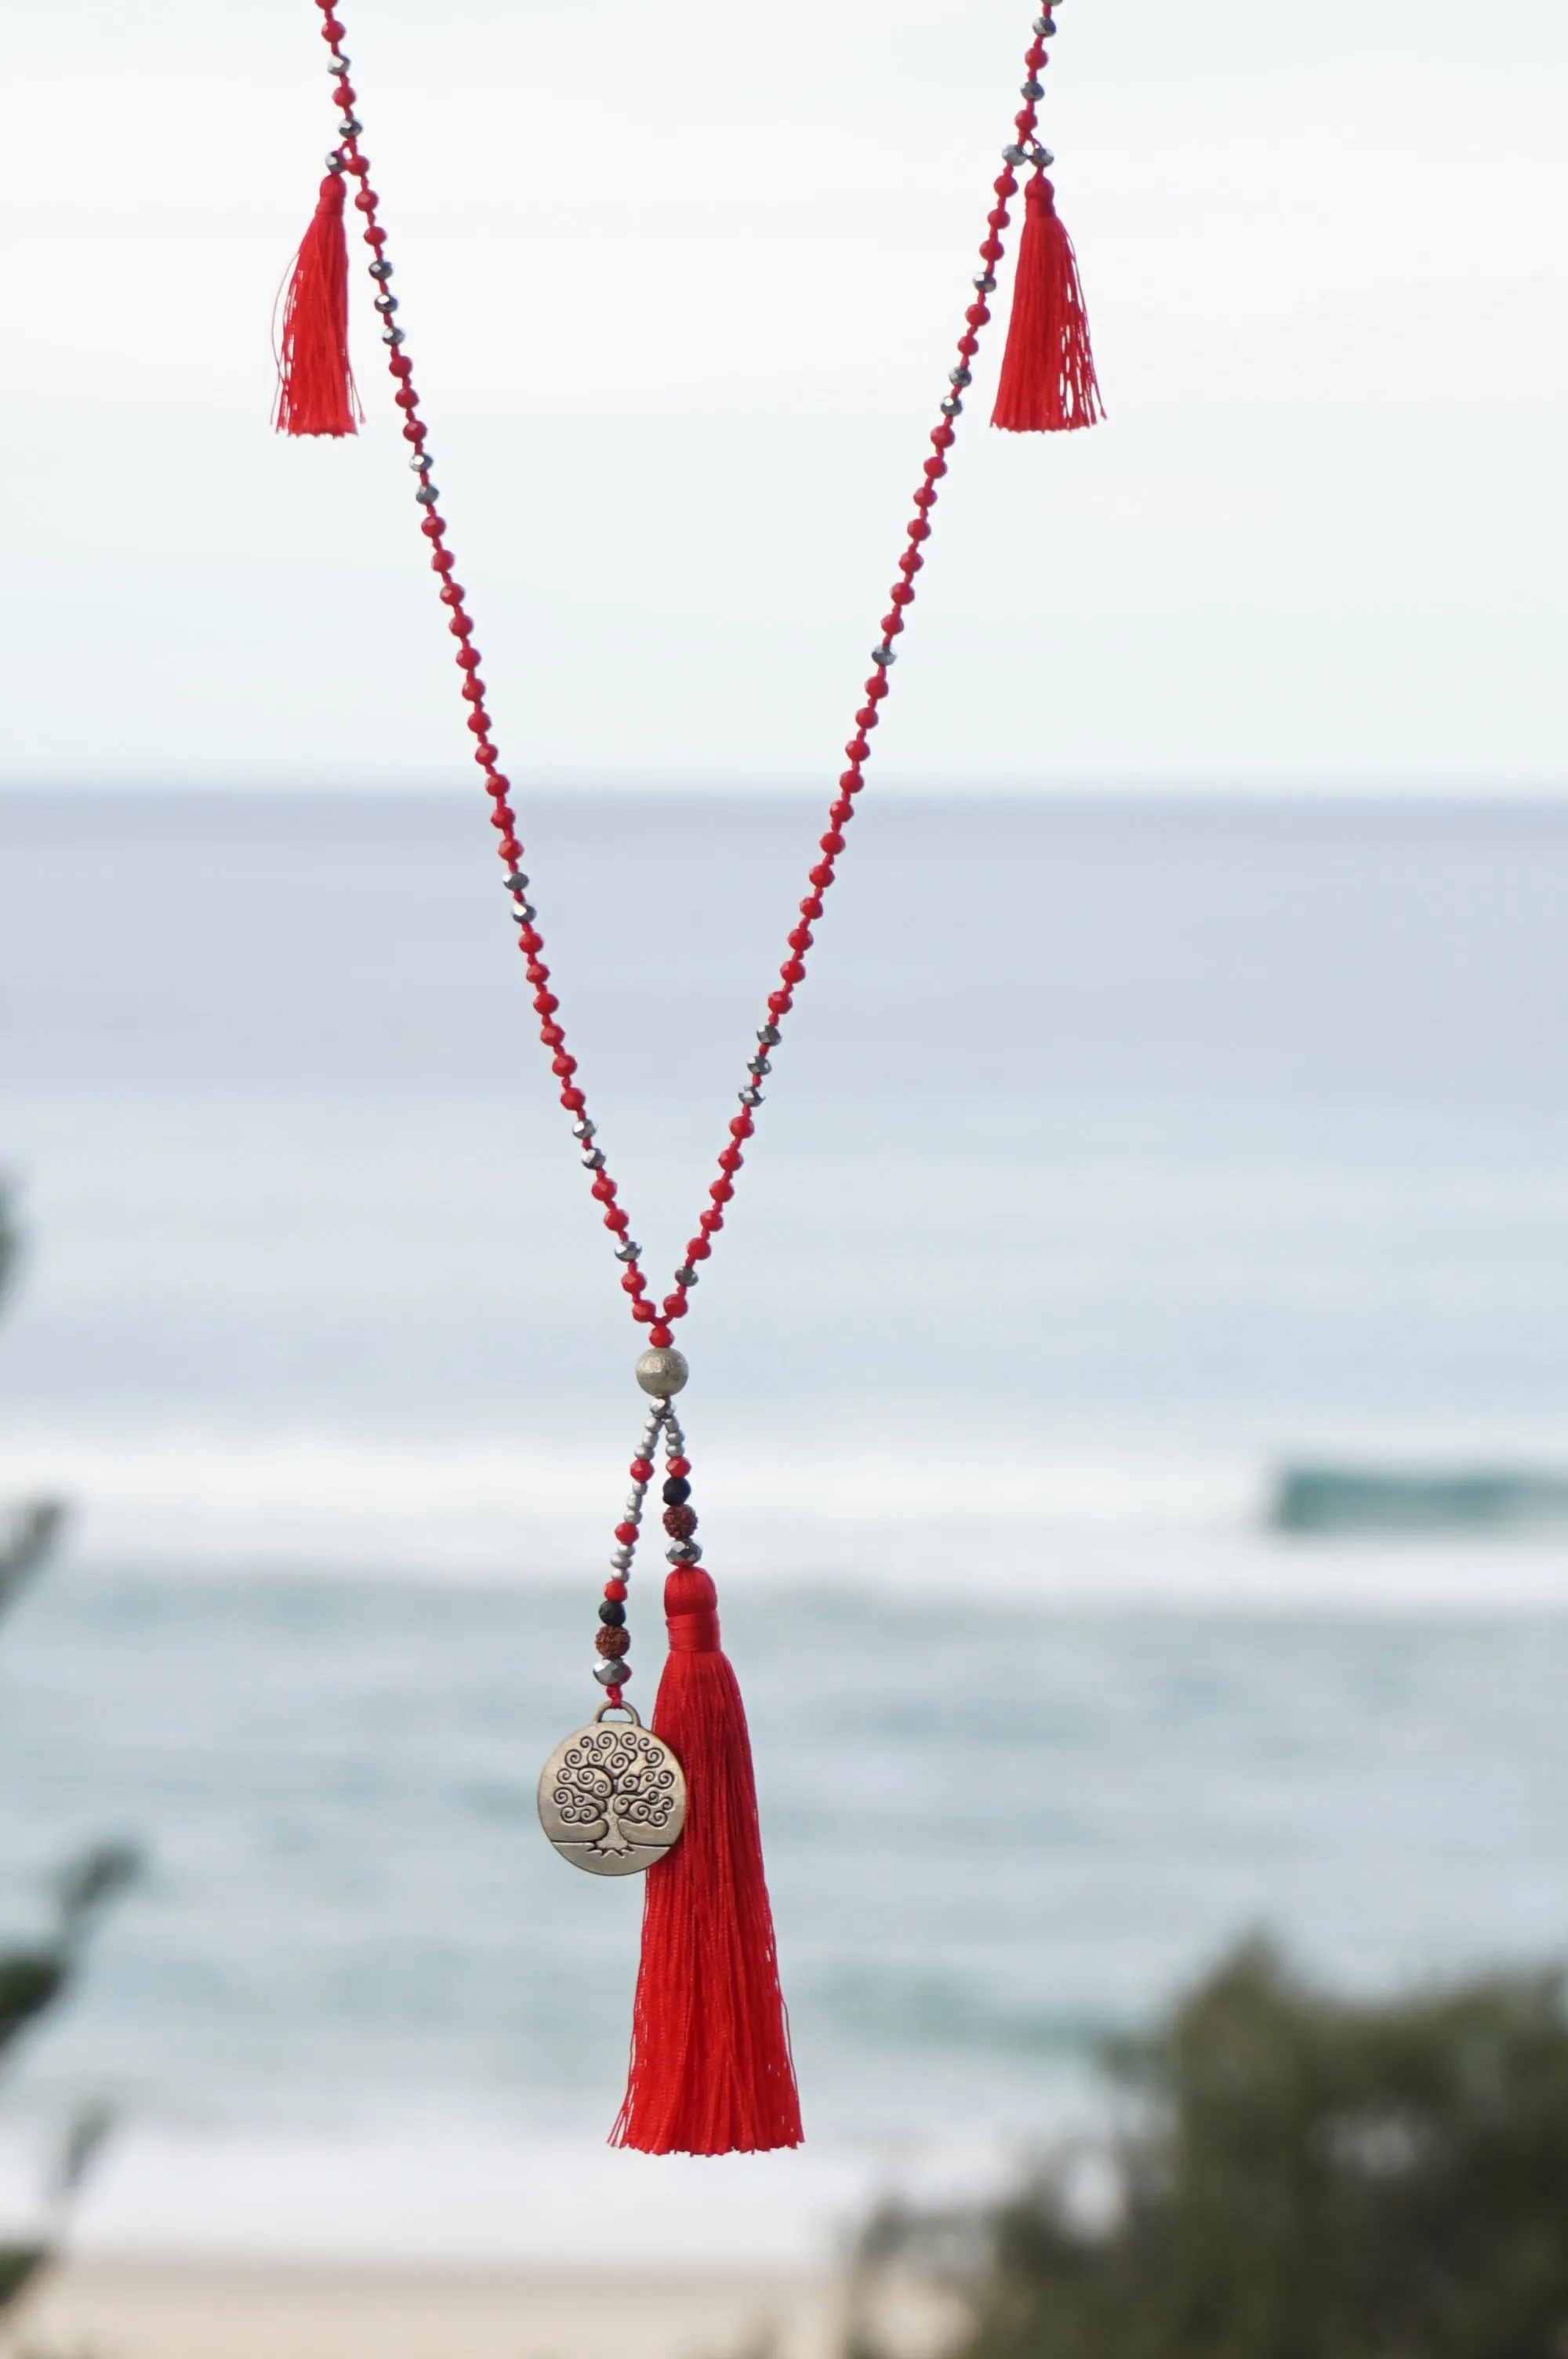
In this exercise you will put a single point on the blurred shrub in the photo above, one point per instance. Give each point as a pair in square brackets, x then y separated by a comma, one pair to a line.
[35, 1978]
[1305, 2177]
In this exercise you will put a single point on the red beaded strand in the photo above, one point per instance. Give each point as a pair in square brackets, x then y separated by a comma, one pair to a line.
[659, 1318]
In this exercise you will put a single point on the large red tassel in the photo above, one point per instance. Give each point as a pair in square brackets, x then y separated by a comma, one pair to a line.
[711, 2072]
[315, 389]
[1048, 383]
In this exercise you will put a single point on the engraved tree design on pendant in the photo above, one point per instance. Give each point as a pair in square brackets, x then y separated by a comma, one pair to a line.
[616, 1787]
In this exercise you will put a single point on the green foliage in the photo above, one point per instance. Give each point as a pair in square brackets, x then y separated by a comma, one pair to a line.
[35, 1978]
[1308, 2177]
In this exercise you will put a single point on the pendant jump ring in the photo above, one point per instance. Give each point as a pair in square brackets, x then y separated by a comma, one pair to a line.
[629, 1709]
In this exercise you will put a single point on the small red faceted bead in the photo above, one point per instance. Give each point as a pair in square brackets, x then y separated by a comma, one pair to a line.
[969, 346]
[922, 531]
[910, 562]
[678, 1465]
[546, 1002]
[877, 687]
[721, 1190]
[712, 1220]
[992, 251]
[902, 597]
[660, 1335]
[631, 1283]
[551, 1035]
[675, 1306]
[858, 748]
[942, 437]
[997, 218]
[563, 1066]
[741, 1126]
[731, 1159]
[976, 316]
[812, 905]
[841, 812]
[642, 1470]
[644, 1314]
[604, 1190]
[852, 782]
[833, 843]
[780, 1002]
[616, 1591]
[821, 876]
[573, 1101]
[618, 1221]
[867, 717]
[698, 1249]
[443, 561]
[625, 1534]
[1005, 185]
[799, 938]
[793, 971]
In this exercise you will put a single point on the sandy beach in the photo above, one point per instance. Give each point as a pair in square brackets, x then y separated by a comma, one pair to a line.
[171, 2309]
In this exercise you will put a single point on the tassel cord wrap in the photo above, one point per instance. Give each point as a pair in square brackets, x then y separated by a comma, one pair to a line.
[656, 1315]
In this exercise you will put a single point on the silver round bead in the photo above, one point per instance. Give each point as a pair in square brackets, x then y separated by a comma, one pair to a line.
[663, 1373]
[622, 1559]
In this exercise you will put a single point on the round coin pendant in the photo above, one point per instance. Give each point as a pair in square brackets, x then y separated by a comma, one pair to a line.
[612, 1795]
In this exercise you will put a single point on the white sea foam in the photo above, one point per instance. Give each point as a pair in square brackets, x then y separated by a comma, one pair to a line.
[1068, 1526]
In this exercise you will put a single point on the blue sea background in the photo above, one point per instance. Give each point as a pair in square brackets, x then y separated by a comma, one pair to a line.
[1119, 1159]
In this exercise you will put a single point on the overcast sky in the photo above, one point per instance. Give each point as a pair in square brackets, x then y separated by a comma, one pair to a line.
[681, 285]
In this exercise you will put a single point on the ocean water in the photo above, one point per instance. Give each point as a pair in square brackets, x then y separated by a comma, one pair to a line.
[1119, 1161]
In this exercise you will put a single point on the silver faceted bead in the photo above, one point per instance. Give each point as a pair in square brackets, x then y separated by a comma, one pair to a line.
[613, 1672]
[663, 1373]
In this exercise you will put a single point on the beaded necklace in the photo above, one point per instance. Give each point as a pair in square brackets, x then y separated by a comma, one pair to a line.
[710, 2069]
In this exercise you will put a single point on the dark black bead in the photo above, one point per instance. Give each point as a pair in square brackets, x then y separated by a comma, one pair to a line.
[612, 1613]
[678, 1491]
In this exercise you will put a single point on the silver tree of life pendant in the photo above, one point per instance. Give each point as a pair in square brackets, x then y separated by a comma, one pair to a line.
[612, 1794]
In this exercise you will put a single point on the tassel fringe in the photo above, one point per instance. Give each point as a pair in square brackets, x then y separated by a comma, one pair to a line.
[1048, 383]
[315, 389]
[711, 2071]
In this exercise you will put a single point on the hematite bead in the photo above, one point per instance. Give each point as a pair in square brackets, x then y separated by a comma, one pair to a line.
[663, 1373]
[676, 1491]
[613, 1675]
[770, 1036]
[685, 1275]
[627, 1252]
[613, 1612]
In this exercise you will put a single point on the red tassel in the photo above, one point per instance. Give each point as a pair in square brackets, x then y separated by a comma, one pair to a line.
[315, 389]
[1048, 383]
[711, 2072]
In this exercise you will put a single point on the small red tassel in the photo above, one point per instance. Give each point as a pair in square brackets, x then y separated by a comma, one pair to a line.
[315, 389]
[1048, 383]
[711, 2072]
